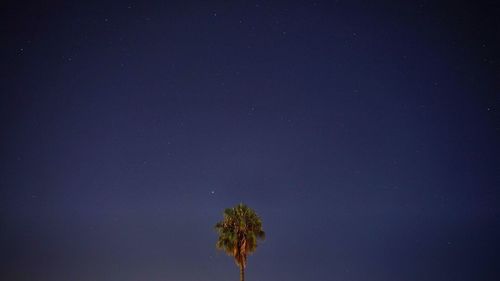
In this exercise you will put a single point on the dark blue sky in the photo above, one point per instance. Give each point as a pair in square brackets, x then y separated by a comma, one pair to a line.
[364, 134]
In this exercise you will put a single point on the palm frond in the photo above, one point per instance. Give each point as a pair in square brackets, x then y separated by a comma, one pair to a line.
[239, 232]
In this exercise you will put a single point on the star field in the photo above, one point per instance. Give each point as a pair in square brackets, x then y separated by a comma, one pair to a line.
[364, 134]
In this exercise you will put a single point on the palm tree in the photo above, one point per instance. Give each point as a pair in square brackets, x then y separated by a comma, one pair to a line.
[238, 234]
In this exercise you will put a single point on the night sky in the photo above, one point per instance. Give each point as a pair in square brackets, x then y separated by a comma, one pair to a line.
[364, 134]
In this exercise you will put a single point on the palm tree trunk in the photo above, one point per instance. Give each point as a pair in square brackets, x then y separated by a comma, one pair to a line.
[242, 273]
